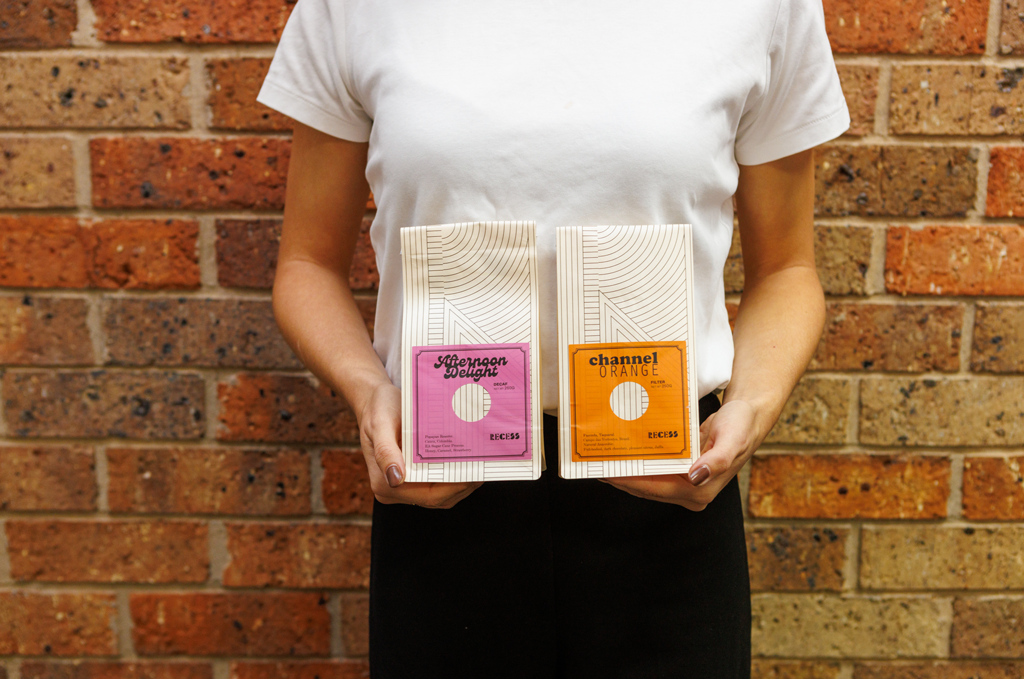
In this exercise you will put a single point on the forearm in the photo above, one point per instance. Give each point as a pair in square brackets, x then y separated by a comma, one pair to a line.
[320, 320]
[777, 329]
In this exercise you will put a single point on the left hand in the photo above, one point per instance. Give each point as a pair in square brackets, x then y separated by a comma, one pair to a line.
[728, 438]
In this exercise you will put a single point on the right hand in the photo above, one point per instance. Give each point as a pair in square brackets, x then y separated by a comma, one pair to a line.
[380, 433]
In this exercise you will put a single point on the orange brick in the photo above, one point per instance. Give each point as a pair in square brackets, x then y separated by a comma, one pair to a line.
[98, 669]
[283, 408]
[891, 337]
[344, 669]
[44, 331]
[956, 99]
[239, 624]
[190, 174]
[234, 84]
[987, 628]
[939, 670]
[796, 558]
[1005, 182]
[308, 555]
[205, 21]
[848, 487]
[208, 481]
[1011, 38]
[346, 483]
[901, 27]
[108, 551]
[35, 25]
[355, 624]
[994, 488]
[762, 668]
[47, 479]
[36, 172]
[860, 86]
[817, 412]
[998, 345]
[66, 624]
[955, 260]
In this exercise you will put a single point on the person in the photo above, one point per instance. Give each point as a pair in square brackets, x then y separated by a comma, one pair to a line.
[560, 112]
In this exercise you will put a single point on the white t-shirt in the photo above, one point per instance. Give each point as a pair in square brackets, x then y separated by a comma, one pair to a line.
[561, 112]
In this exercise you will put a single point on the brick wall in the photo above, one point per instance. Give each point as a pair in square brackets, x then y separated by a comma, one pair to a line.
[179, 500]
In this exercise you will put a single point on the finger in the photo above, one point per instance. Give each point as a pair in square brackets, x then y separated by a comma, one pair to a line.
[429, 495]
[723, 448]
[679, 495]
[387, 458]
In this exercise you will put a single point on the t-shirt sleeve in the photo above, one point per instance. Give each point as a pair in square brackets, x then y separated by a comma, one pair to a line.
[309, 79]
[802, 103]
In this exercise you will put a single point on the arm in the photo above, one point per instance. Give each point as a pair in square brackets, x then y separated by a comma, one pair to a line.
[317, 314]
[780, 319]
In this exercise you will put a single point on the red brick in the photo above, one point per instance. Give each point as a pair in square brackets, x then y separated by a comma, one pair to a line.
[848, 487]
[1005, 182]
[902, 27]
[938, 670]
[64, 252]
[987, 628]
[994, 488]
[36, 172]
[247, 254]
[205, 21]
[978, 411]
[955, 260]
[189, 331]
[789, 669]
[190, 174]
[998, 345]
[796, 558]
[44, 331]
[308, 555]
[895, 180]
[346, 483]
[234, 84]
[36, 25]
[108, 551]
[283, 408]
[101, 403]
[891, 337]
[817, 412]
[344, 669]
[355, 624]
[214, 624]
[94, 91]
[860, 86]
[39, 623]
[47, 479]
[97, 669]
[1011, 38]
[208, 481]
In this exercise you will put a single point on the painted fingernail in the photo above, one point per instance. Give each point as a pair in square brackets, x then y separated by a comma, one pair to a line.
[394, 476]
[699, 475]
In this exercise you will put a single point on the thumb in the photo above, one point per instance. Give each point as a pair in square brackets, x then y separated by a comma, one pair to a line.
[388, 456]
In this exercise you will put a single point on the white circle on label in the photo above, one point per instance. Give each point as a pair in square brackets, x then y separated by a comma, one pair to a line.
[471, 402]
[629, 401]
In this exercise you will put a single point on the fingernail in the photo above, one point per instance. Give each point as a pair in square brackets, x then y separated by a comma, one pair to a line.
[699, 475]
[394, 476]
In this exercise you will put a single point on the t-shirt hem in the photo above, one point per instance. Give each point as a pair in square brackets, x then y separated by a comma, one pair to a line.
[295, 106]
[818, 131]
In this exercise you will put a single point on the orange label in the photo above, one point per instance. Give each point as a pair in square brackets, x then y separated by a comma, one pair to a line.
[629, 401]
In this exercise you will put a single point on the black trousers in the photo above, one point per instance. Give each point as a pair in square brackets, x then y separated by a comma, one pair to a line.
[558, 578]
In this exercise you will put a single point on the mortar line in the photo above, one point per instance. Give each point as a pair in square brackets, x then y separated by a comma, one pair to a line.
[14, 668]
[221, 669]
[198, 92]
[123, 630]
[81, 172]
[994, 28]
[984, 167]
[954, 505]
[217, 550]
[875, 278]
[84, 34]
[5, 555]
[851, 566]
[967, 339]
[211, 405]
[94, 322]
[334, 610]
[102, 480]
[316, 482]
[882, 101]
[853, 412]
[845, 669]
[206, 251]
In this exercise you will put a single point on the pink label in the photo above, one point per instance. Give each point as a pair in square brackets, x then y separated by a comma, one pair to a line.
[471, 402]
